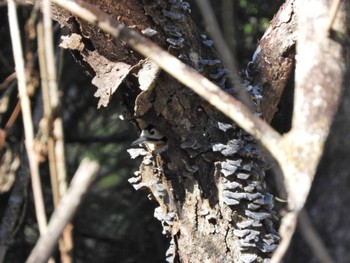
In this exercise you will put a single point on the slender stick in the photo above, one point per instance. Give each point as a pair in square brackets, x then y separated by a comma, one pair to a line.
[228, 24]
[312, 238]
[54, 98]
[8, 80]
[64, 212]
[332, 14]
[287, 230]
[54, 123]
[27, 117]
[226, 55]
[214, 30]
[13, 116]
[46, 121]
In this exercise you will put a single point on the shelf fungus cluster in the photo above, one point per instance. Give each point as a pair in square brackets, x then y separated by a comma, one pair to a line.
[171, 13]
[242, 184]
[151, 178]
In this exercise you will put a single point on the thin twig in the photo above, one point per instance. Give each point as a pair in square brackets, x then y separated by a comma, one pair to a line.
[45, 123]
[227, 104]
[312, 238]
[54, 98]
[64, 211]
[228, 25]
[287, 229]
[54, 121]
[27, 117]
[33, 19]
[226, 55]
[8, 80]
[332, 14]
[13, 116]
[214, 30]
[50, 54]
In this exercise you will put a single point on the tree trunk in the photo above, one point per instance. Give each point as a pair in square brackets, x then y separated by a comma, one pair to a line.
[210, 183]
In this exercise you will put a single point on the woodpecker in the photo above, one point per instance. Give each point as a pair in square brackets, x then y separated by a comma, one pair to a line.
[152, 139]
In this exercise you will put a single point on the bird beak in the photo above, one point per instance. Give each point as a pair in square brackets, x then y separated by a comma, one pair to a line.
[139, 141]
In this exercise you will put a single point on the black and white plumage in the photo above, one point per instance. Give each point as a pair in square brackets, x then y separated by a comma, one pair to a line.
[152, 139]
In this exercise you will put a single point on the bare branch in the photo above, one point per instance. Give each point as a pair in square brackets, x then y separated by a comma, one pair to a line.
[54, 98]
[16, 111]
[27, 117]
[320, 75]
[64, 211]
[45, 131]
[52, 123]
[221, 46]
[332, 14]
[312, 238]
[226, 55]
[287, 229]
[228, 25]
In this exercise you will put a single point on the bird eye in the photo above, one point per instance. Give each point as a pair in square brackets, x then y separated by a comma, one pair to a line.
[152, 132]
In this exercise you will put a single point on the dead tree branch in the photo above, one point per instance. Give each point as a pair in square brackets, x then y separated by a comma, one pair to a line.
[27, 116]
[64, 211]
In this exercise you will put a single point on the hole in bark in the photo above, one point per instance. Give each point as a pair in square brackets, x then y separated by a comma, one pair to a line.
[212, 221]
[282, 120]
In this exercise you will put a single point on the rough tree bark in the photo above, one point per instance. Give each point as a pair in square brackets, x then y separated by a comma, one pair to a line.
[276, 58]
[210, 183]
